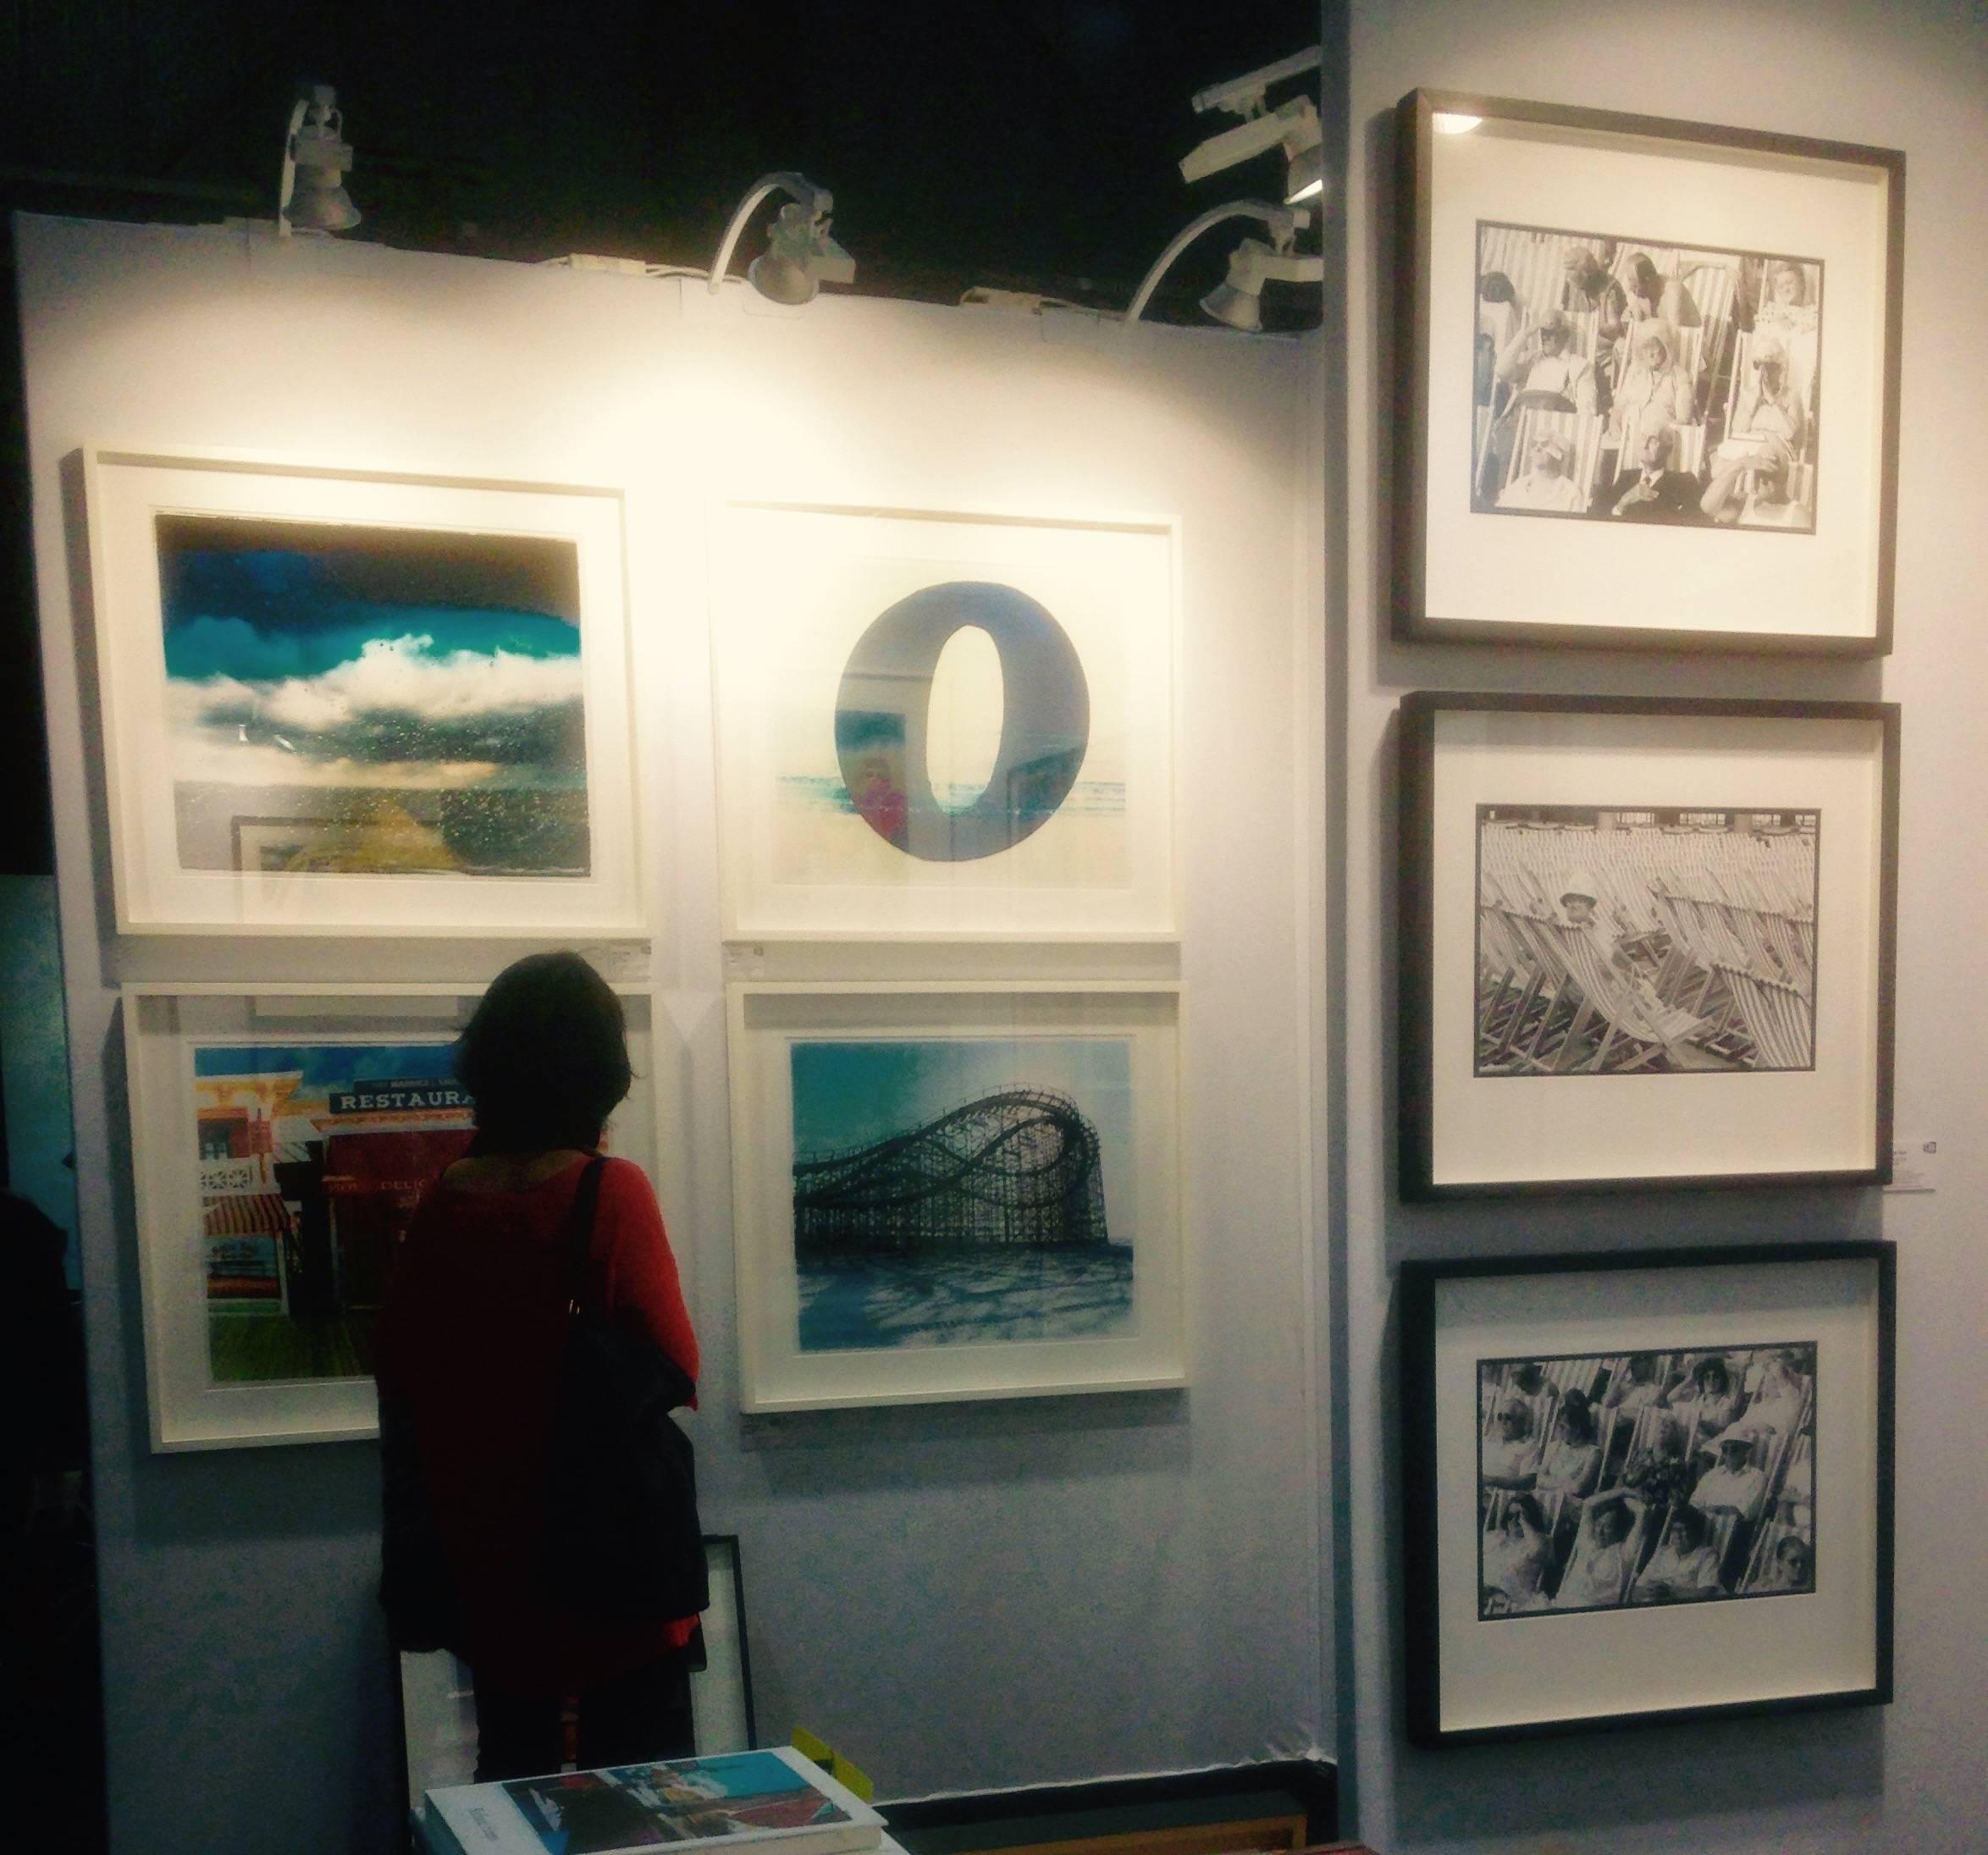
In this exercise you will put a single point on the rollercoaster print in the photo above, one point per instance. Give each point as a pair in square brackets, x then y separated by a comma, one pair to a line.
[1622, 940]
[959, 1191]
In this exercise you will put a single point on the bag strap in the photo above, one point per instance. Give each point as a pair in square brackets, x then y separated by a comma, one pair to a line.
[580, 1229]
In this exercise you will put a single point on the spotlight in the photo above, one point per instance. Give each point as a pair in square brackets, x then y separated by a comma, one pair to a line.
[800, 255]
[1306, 179]
[1446, 122]
[1237, 301]
[1292, 126]
[315, 159]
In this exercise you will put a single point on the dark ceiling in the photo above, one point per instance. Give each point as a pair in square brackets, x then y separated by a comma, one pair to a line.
[1022, 144]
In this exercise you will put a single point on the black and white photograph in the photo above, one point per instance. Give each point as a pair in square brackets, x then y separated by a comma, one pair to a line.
[1627, 381]
[1645, 1485]
[1611, 426]
[1611, 1481]
[1645, 940]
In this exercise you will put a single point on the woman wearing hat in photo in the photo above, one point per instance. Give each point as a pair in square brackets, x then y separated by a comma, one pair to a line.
[1767, 427]
[1540, 369]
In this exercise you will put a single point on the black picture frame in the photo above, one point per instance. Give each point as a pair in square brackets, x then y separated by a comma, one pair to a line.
[1474, 1675]
[1477, 1119]
[1616, 184]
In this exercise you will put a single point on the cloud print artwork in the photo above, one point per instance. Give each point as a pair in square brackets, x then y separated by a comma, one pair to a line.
[373, 701]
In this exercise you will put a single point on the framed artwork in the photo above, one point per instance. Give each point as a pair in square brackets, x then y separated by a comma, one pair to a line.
[345, 702]
[1613, 335]
[1645, 942]
[439, 1702]
[944, 1193]
[1645, 1487]
[945, 723]
[280, 1141]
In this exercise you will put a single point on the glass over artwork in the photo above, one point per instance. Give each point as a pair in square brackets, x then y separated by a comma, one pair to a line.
[312, 1158]
[1636, 381]
[1612, 1481]
[957, 1192]
[354, 700]
[1646, 941]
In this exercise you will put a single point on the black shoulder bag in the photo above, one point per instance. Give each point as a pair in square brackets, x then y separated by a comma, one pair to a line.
[622, 1540]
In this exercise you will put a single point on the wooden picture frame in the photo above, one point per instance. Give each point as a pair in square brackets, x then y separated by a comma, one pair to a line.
[1645, 1487]
[1646, 943]
[1610, 334]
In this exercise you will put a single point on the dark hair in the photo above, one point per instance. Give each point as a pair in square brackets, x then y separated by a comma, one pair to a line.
[1706, 1367]
[1649, 280]
[1693, 1523]
[545, 1057]
[1578, 1418]
[1793, 1546]
[1528, 1511]
[1495, 287]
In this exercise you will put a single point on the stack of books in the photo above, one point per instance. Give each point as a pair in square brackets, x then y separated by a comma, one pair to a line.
[776, 1797]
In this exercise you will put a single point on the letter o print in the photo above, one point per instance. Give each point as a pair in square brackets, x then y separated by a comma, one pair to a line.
[883, 713]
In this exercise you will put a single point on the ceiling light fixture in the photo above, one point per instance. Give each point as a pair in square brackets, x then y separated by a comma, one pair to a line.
[800, 255]
[316, 158]
[1237, 301]
[1292, 126]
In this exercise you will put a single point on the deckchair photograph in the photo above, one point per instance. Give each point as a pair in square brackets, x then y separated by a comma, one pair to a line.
[1645, 942]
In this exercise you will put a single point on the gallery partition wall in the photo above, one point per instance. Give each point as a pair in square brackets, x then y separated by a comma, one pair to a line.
[910, 710]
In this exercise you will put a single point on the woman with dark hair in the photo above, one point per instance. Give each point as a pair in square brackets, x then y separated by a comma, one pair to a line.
[1571, 1458]
[1685, 1567]
[1707, 1401]
[471, 1342]
[1517, 1556]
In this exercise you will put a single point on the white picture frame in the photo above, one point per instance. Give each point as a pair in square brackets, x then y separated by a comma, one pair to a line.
[859, 702]
[220, 1358]
[1012, 1086]
[326, 810]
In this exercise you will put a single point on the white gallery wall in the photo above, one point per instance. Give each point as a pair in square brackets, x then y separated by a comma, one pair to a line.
[959, 1596]
[1913, 76]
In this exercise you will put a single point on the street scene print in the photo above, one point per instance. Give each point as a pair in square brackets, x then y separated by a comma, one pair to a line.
[1620, 380]
[350, 700]
[1612, 1481]
[1644, 940]
[954, 1191]
[312, 1158]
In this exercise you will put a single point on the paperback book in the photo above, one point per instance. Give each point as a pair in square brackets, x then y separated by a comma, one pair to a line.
[775, 1796]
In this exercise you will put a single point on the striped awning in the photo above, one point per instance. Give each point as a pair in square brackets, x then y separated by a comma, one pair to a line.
[252, 1214]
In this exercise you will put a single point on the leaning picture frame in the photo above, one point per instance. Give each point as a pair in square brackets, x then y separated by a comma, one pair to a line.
[945, 1192]
[1611, 333]
[1645, 1487]
[438, 1702]
[280, 1138]
[342, 701]
[954, 724]
[1646, 943]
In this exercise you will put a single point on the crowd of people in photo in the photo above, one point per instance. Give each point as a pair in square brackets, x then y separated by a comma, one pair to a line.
[1645, 1478]
[1633, 383]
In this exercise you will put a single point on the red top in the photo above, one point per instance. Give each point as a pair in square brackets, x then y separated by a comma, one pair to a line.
[471, 1334]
